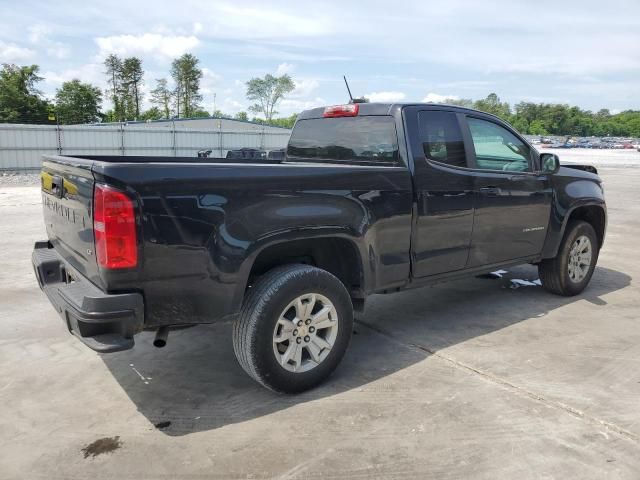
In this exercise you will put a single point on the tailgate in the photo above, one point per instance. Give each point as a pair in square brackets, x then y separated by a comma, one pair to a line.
[67, 199]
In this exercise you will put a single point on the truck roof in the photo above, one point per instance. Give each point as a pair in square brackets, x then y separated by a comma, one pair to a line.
[386, 109]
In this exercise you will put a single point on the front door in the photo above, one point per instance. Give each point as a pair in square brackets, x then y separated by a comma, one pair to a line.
[512, 202]
[444, 188]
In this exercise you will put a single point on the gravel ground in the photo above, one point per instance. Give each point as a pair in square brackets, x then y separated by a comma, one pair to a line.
[19, 179]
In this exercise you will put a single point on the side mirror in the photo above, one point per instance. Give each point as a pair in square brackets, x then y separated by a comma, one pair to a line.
[549, 162]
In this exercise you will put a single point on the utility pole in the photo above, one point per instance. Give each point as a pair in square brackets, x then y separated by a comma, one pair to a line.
[214, 104]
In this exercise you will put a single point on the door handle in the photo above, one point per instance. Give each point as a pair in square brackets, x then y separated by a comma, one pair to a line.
[490, 191]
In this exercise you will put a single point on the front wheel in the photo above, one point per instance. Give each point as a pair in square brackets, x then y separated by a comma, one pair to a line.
[571, 270]
[294, 328]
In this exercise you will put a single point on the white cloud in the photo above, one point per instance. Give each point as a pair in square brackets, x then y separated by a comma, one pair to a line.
[89, 73]
[231, 106]
[197, 28]
[210, 81]
[12, 53]
[226, 20]
[38, 33]
[170, 46]
[385, 97]
[304, 87]
[40, 36]
[437, 98]
[284, 68]
[58, 50]
[289, 106]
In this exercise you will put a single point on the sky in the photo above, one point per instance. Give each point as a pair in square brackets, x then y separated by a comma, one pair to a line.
[580, 52]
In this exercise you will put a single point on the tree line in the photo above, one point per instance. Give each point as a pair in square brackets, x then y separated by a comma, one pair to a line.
[557, 119]
[78, 102]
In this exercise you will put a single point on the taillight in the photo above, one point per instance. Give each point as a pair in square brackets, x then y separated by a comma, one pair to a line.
[349, 110]
[114, 226]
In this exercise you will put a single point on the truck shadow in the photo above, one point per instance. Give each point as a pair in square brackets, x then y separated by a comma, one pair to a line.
[195, 384]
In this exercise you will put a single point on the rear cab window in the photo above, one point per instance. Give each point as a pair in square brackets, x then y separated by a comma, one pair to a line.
[360, 140]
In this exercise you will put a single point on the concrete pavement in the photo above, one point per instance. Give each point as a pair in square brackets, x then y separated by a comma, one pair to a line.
[471, 379]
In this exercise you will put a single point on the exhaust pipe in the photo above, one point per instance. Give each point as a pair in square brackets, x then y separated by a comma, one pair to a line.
[161, 337]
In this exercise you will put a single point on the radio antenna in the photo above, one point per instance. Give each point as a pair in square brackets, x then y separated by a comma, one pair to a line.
[348, 89]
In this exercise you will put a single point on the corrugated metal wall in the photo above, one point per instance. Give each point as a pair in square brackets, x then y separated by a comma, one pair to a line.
[22, 146]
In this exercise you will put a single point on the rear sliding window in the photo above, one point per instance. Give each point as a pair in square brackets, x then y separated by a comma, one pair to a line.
[361, 140]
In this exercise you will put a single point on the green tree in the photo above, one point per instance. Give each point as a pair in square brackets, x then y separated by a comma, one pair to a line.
[220, 114]
[186, 75]
[20, 100]
[113, 65]
[536, 127]
[493, 105]
[131, 75]
[241, 116]
[154, 113]
[285, 122]
[461, 102]
[161, 97]
[267, 92]
[202, 113]
[520, 124]
[78, 102]
[558, 119]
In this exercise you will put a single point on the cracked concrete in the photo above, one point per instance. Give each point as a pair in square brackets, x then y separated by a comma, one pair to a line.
[517, 389]
[467, 379]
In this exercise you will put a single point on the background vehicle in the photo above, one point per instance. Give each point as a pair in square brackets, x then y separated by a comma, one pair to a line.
[370, 198]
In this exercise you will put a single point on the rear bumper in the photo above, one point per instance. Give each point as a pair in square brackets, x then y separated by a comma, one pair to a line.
[104, 322]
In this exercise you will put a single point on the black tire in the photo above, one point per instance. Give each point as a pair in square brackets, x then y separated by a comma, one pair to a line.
[554, 272]
[265, 301]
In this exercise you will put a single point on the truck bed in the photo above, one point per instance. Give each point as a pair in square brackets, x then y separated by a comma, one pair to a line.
[202, 221]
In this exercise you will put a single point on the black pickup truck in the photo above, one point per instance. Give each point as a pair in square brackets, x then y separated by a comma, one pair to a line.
[370, 198]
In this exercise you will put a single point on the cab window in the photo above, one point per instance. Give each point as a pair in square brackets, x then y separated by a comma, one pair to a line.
[497, 148]
[441, 138]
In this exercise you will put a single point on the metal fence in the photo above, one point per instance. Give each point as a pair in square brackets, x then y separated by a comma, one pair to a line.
[22, 146]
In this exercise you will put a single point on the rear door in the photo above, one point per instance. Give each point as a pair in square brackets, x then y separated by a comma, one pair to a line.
[444, 188]
[512, 201]
[67, 197]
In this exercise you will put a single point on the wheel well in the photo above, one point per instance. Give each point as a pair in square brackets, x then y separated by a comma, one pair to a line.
[337, 256]
[593, 215]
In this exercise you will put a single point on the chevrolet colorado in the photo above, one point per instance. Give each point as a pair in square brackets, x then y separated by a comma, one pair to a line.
[369, 198]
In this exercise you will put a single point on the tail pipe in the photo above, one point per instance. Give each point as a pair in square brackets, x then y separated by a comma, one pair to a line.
[161, 337]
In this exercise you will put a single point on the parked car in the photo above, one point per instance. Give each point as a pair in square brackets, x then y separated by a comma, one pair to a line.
[371, 198]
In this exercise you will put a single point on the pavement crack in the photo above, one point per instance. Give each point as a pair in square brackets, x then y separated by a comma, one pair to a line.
[511, 387]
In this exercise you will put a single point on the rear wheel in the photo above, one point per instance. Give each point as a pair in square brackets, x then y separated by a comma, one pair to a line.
[294, 328]
[571, 270]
